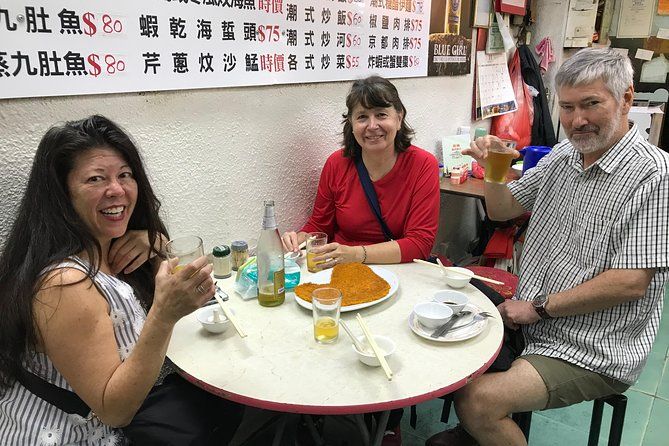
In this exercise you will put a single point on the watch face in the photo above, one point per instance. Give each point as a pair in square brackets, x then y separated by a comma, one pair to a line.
[539, 301]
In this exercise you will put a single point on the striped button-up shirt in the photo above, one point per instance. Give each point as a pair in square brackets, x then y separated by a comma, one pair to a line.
[612, 215]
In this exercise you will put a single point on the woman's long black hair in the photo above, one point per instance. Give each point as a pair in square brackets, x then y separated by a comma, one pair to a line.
[47, 230]
[372, 92]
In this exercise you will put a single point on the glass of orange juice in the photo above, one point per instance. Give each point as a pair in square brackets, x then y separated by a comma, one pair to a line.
[498, 161]
[326, 305]
[315, 240]
[186, 248]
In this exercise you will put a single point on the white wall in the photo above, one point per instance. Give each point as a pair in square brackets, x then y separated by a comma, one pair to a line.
[214, 155]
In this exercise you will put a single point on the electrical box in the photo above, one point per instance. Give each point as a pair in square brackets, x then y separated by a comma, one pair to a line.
[580, 23]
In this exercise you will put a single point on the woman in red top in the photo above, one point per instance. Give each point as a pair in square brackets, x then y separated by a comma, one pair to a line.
[405, 178]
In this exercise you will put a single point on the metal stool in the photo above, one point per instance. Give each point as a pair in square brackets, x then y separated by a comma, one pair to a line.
[619, 404]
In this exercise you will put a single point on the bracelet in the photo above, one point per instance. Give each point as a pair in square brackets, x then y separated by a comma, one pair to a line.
[364, 251]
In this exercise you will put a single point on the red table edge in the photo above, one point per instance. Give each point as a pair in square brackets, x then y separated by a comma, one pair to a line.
[338, 410]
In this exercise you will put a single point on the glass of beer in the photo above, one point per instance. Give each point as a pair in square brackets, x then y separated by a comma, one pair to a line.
[326, 305]
[498, 161]
[315, 240]
[187, 249]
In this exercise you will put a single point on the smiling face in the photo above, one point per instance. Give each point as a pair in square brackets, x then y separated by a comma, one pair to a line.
[103, 192]
[375, 128]
[592, 117]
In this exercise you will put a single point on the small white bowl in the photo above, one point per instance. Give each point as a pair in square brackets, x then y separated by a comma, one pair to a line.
[456, 280]
[206, 317]
[443, 296]
[518, 168]
[432, 314]
[368, 357]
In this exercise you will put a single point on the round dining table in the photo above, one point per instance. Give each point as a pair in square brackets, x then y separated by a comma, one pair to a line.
[279, 366]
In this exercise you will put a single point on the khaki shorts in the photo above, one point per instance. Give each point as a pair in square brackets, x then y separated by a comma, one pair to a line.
[569, 384]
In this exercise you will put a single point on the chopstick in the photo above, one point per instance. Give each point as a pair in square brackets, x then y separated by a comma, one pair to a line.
[348, 331]
[375, 347]
[449, 269]
[229, 315]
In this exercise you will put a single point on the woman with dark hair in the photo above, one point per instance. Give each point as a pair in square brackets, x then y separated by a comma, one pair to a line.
[377, 140]
[88, 306]
[404, 178]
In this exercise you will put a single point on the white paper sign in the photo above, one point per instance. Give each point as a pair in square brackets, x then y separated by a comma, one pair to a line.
[663, 33]
[643, 54]
[494, 85]
[70, 47]
[636, 17]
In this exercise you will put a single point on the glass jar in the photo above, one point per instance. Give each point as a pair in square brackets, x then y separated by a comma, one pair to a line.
[240, 253]
[222, 262]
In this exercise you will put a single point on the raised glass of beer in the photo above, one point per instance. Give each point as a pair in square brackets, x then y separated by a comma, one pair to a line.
[187, 249]
[498, 161]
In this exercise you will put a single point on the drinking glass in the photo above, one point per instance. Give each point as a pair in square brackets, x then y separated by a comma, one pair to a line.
[315, 240]
[187, 249]
[326, 305]
[498, 162]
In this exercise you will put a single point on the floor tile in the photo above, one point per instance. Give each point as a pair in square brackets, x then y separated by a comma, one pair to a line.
[652, 373]
[545, 431]
[639, 406]
[408, 439]
[657, 431]
[663, 387]
[428, 422]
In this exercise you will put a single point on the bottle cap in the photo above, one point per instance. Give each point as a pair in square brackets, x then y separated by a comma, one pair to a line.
[269, 208]
[221, 251]
[239, 245]
[269, 219]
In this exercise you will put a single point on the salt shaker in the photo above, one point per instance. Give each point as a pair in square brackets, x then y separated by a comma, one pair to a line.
[222, 262]
[240, 253]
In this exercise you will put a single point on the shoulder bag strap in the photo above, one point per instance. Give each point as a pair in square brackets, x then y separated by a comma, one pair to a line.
[63, 399]
[372, 199]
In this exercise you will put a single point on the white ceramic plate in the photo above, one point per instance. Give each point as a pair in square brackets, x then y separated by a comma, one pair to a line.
[324, 277]
[452, 336]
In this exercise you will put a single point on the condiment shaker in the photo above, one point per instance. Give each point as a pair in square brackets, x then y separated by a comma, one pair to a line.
[222, 262]
[240, 253]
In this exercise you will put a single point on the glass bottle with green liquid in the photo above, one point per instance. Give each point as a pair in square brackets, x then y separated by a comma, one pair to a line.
[269, 257]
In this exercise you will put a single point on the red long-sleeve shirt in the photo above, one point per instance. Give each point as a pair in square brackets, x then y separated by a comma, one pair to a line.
[408, 196]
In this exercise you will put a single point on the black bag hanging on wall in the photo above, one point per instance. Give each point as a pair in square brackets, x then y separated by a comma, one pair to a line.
[543, 133]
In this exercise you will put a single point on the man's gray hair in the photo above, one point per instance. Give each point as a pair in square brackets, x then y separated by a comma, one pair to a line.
[592, 64]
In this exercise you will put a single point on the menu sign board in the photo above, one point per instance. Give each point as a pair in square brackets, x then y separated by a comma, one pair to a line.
[69, 47]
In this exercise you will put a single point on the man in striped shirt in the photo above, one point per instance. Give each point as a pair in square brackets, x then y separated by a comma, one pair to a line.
[595, 261]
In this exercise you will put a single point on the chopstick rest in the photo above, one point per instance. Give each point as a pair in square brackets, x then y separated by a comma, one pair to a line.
[375, 348]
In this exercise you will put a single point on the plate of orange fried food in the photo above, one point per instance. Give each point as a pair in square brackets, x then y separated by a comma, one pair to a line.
[361, 286]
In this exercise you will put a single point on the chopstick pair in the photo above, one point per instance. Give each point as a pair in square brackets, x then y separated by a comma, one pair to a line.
[375, 347]
[453, 270]
[229, 314]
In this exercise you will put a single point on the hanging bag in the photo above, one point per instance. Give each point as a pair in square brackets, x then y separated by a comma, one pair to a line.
[516, 126]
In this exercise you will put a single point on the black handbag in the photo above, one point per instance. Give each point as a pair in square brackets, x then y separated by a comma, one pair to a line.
[173, 413]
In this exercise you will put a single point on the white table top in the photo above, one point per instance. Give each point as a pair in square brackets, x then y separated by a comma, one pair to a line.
[280, 367]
